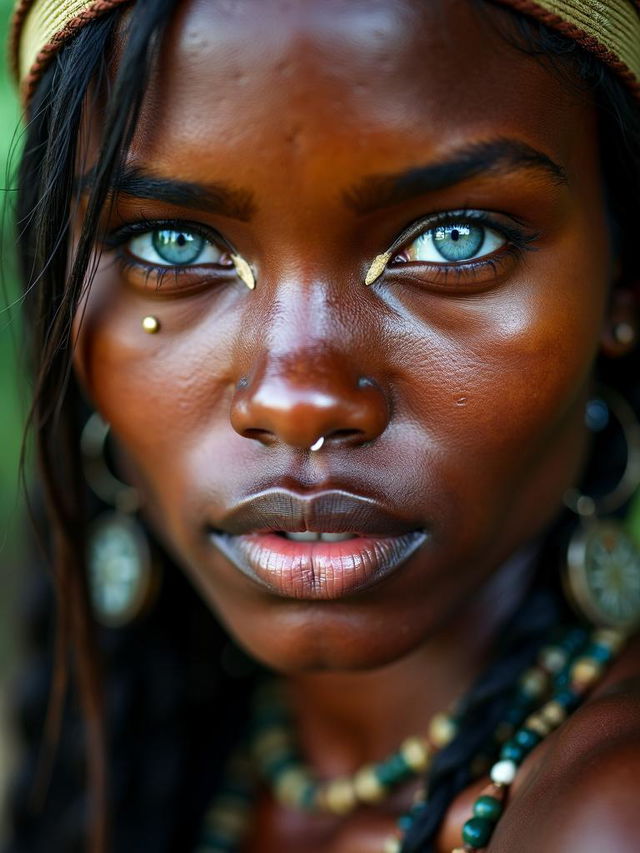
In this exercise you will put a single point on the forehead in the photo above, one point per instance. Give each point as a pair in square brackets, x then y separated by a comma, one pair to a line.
[294, 85]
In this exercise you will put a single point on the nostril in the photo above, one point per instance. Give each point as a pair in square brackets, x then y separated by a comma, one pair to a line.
[261, 435]
[344, 436]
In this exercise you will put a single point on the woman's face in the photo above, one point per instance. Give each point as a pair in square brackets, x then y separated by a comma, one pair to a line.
[307, 138]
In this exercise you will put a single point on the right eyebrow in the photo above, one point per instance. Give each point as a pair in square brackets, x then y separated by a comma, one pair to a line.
[217, 198]
[494, 156]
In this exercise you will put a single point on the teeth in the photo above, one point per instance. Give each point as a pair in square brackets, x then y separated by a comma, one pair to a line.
[311, 536]
[307, 536]
[335, 537]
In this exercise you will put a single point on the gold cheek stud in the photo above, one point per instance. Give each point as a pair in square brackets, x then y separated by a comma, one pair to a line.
[377, 267]
[244, 271]
[151, 325]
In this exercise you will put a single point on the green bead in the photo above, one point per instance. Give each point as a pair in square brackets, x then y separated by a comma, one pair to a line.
[488, 808]
[477, 831]
[602, 654]
[404, 823]
[512, 752]
[276, 765]
[527, 738]
[392, 770]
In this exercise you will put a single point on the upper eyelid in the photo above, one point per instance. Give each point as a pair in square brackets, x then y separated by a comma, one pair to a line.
[428, 223]
[118, 236]
[517, 233]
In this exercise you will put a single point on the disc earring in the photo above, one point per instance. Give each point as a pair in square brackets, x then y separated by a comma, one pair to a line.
[122, 579]
[602, 573]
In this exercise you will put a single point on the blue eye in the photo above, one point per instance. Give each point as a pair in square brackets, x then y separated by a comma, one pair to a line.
[177, 247]
[172, 247]
[453, 243]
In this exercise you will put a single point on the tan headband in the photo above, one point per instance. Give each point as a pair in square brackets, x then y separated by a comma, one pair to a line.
[610, 29]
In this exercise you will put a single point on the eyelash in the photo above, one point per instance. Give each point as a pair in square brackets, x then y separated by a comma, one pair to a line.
[518, 241]
[117, 240]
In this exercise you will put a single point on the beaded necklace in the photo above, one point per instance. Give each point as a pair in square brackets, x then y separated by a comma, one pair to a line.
[567, 667]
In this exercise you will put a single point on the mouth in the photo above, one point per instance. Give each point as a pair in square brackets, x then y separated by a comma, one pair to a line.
[323, 546]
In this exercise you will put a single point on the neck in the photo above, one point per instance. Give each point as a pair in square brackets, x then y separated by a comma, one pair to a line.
[345, 719]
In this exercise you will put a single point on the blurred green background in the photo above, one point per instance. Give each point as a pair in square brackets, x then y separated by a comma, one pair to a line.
[12, 404]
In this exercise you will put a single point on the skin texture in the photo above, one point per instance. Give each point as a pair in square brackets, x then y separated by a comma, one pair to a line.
[454, 399]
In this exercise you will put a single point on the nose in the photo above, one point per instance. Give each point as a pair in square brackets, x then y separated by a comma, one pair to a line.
[297, 398]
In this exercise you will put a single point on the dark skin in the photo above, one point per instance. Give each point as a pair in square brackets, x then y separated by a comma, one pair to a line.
[451, 393]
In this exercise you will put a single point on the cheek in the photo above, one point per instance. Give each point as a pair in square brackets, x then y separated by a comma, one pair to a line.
[161, 393]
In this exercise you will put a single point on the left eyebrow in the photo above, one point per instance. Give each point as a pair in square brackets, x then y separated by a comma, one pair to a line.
[218, 198]
[498, 156]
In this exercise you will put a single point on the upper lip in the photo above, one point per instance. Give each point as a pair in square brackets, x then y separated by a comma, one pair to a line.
[330, 511]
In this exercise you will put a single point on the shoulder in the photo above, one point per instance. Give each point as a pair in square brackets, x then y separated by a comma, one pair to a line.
[582, 794]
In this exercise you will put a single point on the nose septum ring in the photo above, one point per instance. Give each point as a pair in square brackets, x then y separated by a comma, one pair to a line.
[318, 444]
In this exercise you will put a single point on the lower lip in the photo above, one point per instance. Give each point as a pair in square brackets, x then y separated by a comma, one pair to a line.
[322, 571]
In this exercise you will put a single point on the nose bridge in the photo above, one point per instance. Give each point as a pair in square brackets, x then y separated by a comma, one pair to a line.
[307, 377]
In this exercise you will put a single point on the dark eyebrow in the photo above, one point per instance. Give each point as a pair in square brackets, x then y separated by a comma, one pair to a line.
[217, 198]
[497, 156]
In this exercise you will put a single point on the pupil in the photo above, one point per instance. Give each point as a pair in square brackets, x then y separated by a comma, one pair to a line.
[181, 240]
[455, 234]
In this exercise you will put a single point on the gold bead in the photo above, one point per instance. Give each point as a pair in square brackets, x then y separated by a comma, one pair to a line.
[416, 753]
[229, 821]
[585, 671]
[392, 845]
[534, 682]
[339, 796]
[538, 725]
[367, 786]
[291, 785]
[609, 638]
[442, 730]
[151, 325]
[271, 740]
[553, 713]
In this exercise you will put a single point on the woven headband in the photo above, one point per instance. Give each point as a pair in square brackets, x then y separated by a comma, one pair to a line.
[610, 29]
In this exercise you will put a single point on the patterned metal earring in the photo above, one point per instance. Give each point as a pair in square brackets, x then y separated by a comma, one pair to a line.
[122, 578]
[602, 574]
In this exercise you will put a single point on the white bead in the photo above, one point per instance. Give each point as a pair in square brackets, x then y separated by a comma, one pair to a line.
[504, 772]
[553, 658]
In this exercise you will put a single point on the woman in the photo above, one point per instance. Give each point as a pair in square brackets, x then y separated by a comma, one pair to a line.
[343, 279]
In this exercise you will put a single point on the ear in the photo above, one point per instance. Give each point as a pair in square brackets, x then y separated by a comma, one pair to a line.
[620, 331]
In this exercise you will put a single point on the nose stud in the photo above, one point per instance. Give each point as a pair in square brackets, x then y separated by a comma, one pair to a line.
[318, 444]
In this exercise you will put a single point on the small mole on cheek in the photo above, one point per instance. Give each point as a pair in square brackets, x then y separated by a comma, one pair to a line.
[461, 401]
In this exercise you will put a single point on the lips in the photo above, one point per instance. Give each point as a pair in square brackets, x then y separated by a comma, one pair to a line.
[322, 546]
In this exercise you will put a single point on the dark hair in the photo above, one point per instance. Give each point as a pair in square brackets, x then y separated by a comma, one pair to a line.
[161, 685]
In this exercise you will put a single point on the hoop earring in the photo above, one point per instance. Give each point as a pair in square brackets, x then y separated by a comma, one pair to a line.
[602, 575]
[123, 581]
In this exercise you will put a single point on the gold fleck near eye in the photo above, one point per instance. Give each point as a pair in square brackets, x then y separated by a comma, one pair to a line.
[245, 273]
[377, 267]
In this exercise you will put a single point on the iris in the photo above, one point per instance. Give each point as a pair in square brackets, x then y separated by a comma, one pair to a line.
[459, 242]
[178, 247]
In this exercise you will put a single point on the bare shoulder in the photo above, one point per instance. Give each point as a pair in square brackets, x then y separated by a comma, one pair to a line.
[581, 794]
